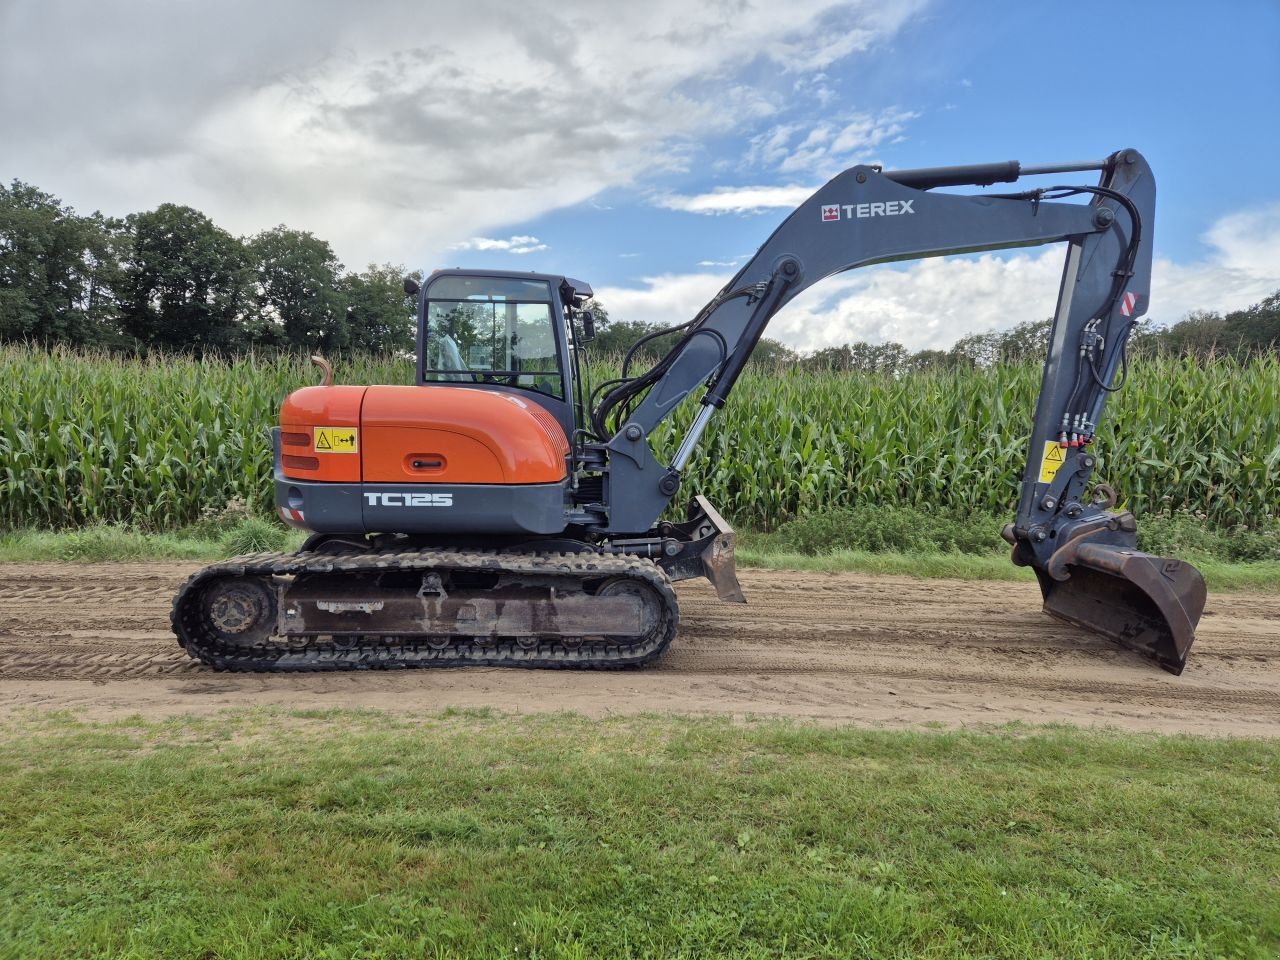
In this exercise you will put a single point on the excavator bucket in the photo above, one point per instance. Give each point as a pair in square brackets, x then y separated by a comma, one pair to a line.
[1144, 603]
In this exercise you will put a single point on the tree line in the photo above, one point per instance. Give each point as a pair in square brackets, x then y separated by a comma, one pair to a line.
[170, 279]
[1250, 332]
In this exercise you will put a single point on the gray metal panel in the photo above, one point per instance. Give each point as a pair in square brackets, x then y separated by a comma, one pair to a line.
[464, 508]
[358, 508]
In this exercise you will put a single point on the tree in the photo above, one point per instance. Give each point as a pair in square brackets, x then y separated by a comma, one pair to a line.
[185, 282]
[379, 315]
[1199, 334]
[923, 360]
[1255, 329]
[297, 296]
[861, 357]
[977, 350]
[1147, 339]
[58, 271]
[773, 355]
[1026, 342]
[107, 245]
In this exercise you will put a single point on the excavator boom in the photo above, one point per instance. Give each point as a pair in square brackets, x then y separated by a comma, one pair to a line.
[1085, 557]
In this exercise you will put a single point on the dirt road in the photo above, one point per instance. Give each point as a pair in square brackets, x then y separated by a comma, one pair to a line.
[885, 651]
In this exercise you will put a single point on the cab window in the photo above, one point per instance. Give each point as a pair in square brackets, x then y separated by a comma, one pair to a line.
[483, 330]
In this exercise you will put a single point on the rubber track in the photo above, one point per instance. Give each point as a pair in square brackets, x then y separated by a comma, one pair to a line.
[373, 652]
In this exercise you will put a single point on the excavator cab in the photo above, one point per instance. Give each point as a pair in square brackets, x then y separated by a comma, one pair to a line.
[507, 331]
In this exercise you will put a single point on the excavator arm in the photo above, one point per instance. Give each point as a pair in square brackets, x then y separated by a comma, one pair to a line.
[1084, 556]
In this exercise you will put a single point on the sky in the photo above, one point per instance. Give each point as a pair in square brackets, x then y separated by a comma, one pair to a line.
[650, 148]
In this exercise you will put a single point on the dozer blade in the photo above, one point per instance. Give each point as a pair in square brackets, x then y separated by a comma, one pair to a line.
[718, 560]
[707, 545]
[1145, 603]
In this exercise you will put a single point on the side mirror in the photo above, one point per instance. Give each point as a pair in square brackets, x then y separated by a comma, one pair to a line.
[588, 325]
[411, 287]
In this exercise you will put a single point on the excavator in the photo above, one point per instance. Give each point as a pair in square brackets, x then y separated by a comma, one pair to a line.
[500, 512]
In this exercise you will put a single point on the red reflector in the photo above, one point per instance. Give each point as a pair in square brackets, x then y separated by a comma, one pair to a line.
[295, 439]
[301, 463]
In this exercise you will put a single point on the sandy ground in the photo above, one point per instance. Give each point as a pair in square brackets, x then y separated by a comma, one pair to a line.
[879, 651]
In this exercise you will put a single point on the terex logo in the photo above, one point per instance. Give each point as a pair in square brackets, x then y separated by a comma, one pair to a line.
[409, 499]
[852, 211]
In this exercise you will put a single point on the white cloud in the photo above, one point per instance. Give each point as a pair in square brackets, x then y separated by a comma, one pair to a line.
[662, 300]
[738, 199]
[1243, 267]
[516, 244]
[930, 304]
[830, 146]
[1249, 239]
[390, 140]
[934, 302]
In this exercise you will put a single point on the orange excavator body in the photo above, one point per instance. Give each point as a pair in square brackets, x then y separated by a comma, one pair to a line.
[419, 434]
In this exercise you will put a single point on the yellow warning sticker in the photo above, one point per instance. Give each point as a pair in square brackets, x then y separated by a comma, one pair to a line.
[1052, 462]
[335, 439]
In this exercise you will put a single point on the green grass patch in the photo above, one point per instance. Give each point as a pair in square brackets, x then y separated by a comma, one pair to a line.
[103, 543]
[756, 550]
[903, 529]
[921, 543]
[340, 834]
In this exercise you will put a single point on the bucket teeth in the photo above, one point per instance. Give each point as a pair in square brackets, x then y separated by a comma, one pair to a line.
[1145, 603]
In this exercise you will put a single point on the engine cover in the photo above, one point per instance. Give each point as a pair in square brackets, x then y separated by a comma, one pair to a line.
[422, 459]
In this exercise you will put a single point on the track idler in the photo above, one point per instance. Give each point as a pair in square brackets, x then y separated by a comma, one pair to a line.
[1145, 603]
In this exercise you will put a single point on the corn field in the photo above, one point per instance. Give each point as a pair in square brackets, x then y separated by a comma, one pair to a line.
[87, 437]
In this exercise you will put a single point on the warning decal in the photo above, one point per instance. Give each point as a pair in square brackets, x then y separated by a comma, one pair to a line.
[1052, 462]
[334, 439]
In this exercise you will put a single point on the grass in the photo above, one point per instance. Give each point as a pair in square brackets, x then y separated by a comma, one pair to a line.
[1220, 576]
[914, 542]
[339, 834]
[104, 543]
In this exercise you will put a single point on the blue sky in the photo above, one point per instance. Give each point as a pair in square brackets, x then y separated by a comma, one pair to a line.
[1198, 93]
[650, 148]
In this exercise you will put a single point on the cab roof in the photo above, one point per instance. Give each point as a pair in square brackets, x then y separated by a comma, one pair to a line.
[571, 290]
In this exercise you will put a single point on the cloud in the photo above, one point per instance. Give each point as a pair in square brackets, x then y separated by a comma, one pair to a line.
[664, 299]
[820, 151]
[1249, 239]
[928, 305]
[831, 145]
[738, 199]
[935, 302]
[516, 244]
[392, 141]
[1243, 266]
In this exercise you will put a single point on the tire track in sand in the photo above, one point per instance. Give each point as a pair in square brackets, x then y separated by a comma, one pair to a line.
[885, 650]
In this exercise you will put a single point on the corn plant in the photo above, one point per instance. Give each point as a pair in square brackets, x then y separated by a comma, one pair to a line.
[153, 443]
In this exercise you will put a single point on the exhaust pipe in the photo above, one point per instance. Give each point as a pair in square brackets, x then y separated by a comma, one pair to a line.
[1144, 603]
